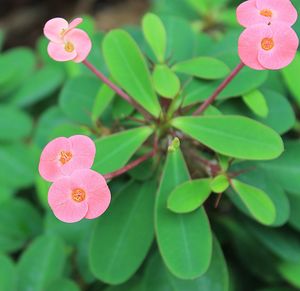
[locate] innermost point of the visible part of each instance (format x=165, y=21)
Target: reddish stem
x=134, y=163
x=218, y=200
x=115, y=88
x=222, y=86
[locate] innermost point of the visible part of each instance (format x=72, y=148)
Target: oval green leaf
x=114, y=151
x=14, y=123
x=128, y=67
x=155, y=34
x=256, y=102
x=41, y=263
x=166, y=83
x=257, y=202
x=203, y=67
x=189, y=196
x=219, y=184
x=77, y=98
x=234, y=136
x=116, y=255
x=184, y=240
x=7, y=274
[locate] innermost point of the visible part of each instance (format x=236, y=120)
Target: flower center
x=267, y=43
x=266, y=13
x=65, y=157
x=69, y=47
x=78, y=195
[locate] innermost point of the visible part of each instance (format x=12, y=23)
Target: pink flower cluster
x=268, y=42
x=66, y=41
x=77, y=191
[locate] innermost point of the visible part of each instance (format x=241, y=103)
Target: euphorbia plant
x=193, y=149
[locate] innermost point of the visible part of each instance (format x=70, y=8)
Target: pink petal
x=285, y=47
x=98, y=193
x=82, y=145
x=82, y=43
x=53, y=29
x=75, y=22
x=248, y=14
x=50, y=170
x=49, y=167
x=76, y=163
x=61, y=203
x=57, y=52
x=53, y=148
x=249, y=44
x=283, y=10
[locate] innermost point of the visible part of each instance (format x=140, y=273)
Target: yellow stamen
x=69, y=47
x=65, y=157
x=78, y=195
x=266, y=13
x=267, y=43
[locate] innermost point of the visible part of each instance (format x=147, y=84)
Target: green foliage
x=234, y=136
x=133, y=75
x=203, y=67
x=165, y=229
x=131, y=217
x=115, y=150
x=184, y=240
x=189, y=196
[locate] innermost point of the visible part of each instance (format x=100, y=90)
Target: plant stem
x=216, y=93
x=115, y=88
x=134, y=163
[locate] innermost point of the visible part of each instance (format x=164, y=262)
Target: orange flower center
x=69, y=47
x=266, y=13
x=267, y=43
x=78, y=195
x=65, y=157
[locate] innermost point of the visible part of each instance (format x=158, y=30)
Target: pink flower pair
x=77, y=191
x=268, y=42
x=66, y=41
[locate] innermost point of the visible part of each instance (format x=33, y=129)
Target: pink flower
x=253, y=12
x=270, y=47
x=84, y=194
x=67, y=42
x=62, y=156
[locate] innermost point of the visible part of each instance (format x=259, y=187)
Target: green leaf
x=114, y=151
x=284, y=244
x=121, y=109
x=158, y=278
x=63, y=284
x=77, y=98
x=184, y=240
x=7, y=274
x=246, y=81
x=128, y=67
x=290, y=272
x=102, y=100
x=286, y=169
x=18, y=166
x=219, y=184
x=166, y=83
x=294, y=219
x=202, y=7
x=260, y=179
x=290, y=77
x=257, y=201
x=41, y=263
x=155, y=34
x=14, y=123
x=235, y=136
x=203, y=67
x=39, y=86
x=131, y=218
x=19, y=63
x=256, y=102
x=19, y=222
x=189, y=196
